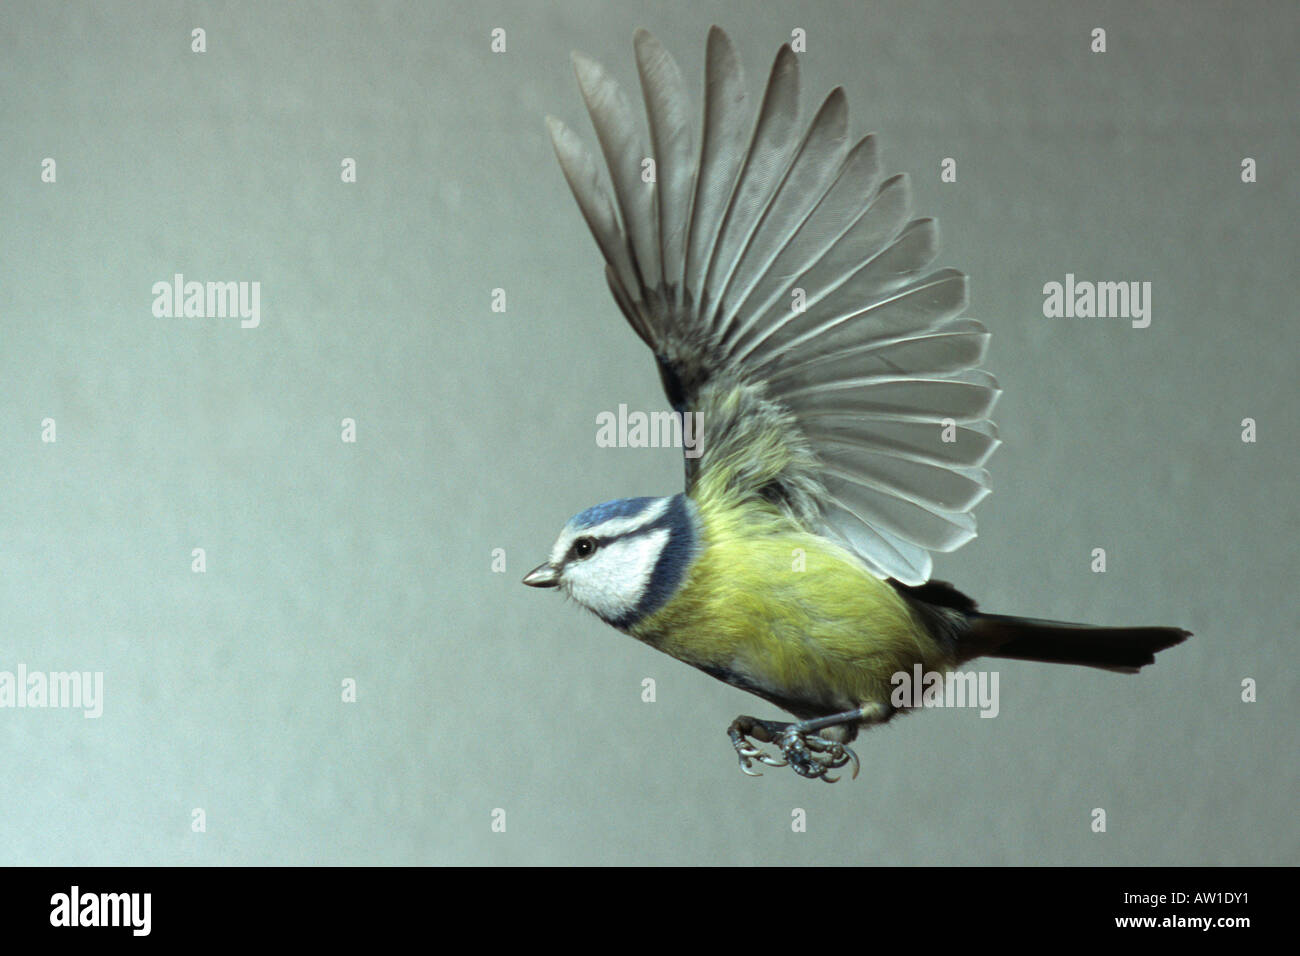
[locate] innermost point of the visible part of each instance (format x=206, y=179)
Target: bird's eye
x=584, y=547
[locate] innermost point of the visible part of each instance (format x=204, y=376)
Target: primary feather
x=789, y=298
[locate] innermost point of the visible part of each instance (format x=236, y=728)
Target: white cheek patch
x=613, y=581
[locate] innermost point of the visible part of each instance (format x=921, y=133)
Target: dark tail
x=1123, y=649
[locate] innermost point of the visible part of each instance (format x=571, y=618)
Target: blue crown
x=619, y=508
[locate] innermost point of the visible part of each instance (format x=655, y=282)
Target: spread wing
x=788, y=298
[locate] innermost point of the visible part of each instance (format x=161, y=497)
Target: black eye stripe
x=663, y=521
x=600, y=541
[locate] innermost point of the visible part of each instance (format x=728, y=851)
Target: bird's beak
x=543, y=576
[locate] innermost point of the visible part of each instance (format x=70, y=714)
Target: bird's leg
x=807, y=752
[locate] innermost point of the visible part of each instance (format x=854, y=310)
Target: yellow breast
x=790, y=612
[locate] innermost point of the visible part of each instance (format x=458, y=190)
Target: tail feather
x=1122, y=649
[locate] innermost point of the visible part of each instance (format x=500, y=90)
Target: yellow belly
x=791, y=613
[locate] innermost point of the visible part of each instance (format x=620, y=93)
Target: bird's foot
x=807, y=753
x=814, y=756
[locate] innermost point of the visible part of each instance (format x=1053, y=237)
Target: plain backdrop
x=373, y=561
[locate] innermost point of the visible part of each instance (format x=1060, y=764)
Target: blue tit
x=790, y=304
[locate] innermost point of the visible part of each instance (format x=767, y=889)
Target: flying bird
x=789, y=300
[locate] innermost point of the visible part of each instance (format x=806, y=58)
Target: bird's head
x=625, y=559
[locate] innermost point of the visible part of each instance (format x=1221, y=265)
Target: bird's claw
x=748, y=752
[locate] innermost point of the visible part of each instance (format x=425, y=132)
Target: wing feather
x=722, y=153
x=669, y=111
x=911, y=438
x=616, y=130
x=855, y=312
x=764, y=165
x=588, y=188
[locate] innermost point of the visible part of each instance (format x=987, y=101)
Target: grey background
x=477, y=431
